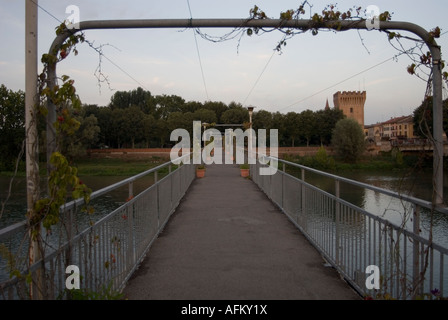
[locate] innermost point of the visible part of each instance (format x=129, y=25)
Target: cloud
x=381, y=81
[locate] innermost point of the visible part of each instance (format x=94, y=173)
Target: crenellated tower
x=351, y=103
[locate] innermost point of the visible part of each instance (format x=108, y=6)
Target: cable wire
x=259, y=77
x=334, y=85
x=96, y=49
x=199, y=55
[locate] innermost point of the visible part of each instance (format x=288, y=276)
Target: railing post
x=338, y=233
x=416, y=277
x=303, y=200
x=131, y=249
x=283, y=186
x=131, y=190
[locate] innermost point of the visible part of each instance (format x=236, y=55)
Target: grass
x=103, y=167
x=116, y=167
x=384, y=162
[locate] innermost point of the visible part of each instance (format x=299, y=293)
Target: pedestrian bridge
x=280, y=236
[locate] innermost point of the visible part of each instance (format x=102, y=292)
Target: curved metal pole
x=304, y=24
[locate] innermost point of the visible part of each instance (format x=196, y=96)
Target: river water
x=15, y=209
x=416, y=184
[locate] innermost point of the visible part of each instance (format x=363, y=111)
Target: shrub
x=348, y=140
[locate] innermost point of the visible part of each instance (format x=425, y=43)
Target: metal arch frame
x=304, y=24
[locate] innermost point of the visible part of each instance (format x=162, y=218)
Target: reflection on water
x=415, y=184
x=15, y=211
x=418, y=185
x=15, y=208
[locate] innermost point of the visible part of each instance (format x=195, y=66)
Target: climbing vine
x=63, y=183
x=421, y=66
x=62, y=180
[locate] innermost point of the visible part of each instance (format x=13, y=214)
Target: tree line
x=138, y=119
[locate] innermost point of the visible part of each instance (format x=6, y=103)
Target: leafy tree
x=167, y=104
x=138, y=97
x=237, y=115
x=423, y=119
x=218, y=107
x=348, y=139
x=149, y=129
x=133, y=119
x=205, y=116
x=307, y=125
x=120, y=100
x=162, y=132
x=180, y=120
x=85, y=137
x=291, y=123
x=325, y=122
x=12, y=125
x=262, y=120
x=104, y=118
x=192, y=106
x=118, y=121
x=278, y=122
x=323, y=161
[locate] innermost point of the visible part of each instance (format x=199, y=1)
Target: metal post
x=250, y=143
x=437, y=128
x=416, y=253
x=131, y=190
x=32, y=163
x=338, y=233
x=302, y=24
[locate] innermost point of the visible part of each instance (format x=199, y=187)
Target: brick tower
x=352, y=104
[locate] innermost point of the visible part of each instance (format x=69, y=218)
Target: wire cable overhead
x=199, y=54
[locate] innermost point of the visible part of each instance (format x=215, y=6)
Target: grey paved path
x=227, y=241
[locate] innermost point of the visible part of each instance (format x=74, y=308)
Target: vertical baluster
x=416, y=250
x=441, y=288
x=404, y=275
x=338, y=227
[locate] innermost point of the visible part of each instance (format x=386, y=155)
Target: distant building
x=394, y=128
x=373, y=132
x=399, y=127
x=352, y=104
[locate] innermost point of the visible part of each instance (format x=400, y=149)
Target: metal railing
x=350, y=238
x=106, y=252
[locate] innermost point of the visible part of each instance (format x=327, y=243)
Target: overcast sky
x=165, y=61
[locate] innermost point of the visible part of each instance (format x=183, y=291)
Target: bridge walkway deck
x=228, y=241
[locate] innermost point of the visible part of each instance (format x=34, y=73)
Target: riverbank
x=103, y=167
x=386, y=161
x=131, y=162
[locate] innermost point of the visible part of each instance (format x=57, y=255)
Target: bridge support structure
x=301, y=24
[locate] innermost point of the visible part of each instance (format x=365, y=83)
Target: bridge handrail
x=74, y=203
x=350, y=237
x=95, y=194
x=166, y=203
x=423, y=203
